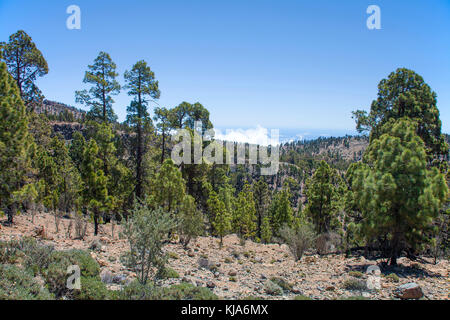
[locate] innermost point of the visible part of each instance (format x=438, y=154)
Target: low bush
x=56, y=274
x=299, y=239
x=283, y=284
x=17, y=284
x=393, y=277
x=302, y=297
x=272, y=288
x=356, y=274
x=184, y=291
x=167, y=273
x=91, y=289
x=9, y=252
x=137, y=291
x=354, y=285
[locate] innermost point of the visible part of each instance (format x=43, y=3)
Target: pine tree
x=244, y=219
x=281, y=212
x=222, y=218
x=397, y=194
x=143, y=87
x=167, y=189
x=102, y=76
x=68, y=178
x=77, y=148
x=324, y=191
x=15, y=142
x=25, y=62
x=266, y=230
x=261, y=195
x=95, y=191
x=405, y=94
x=118, y=176
x=163, y=117
x=190, y=221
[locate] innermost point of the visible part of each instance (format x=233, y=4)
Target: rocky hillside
x=58, y=110
x=246, y=271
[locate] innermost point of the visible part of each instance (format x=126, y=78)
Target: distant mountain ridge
x=60, y=110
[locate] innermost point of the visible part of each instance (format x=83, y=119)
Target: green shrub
x=302, y=297
x=137, y=291
x=393, y=277
x=32, y=255
x=172, y=255
x=36, y=256
x=354, y=298
x=354, y=285
x=91, y=289
x=184, y=291
x=272, y=288
x=146, y=231
x=298, y=239
x=252, y=298
x=167, y=273
x=9, y=252
x=356, y=274
x=17, y=284
x=283, y=284
x=56, y=274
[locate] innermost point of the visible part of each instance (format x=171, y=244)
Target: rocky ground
x=238, y=271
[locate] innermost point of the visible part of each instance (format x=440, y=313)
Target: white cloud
x=258, y=135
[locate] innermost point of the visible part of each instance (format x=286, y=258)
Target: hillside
x=241, y=271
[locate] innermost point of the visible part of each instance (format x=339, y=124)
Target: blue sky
x=277, y=64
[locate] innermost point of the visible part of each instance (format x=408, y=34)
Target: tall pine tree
x=102, y=77
x=397, y=194
x=15, y=142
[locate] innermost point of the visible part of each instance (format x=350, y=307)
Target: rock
x=263, y=276
x=119, y=279
x=258, y=260
x=95, y=245
x=296, y=290
x=104, y=239
x=210, y=284
x=102, y=263
x=40, y=232
x=106, y=276
x=203, y=262
x=191, y=253
x=330, y=288
x=409, y=291
x=232, y=273
x=199, y=283
x=216, y=274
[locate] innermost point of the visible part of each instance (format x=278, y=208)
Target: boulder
x=203, y=262
x=95, y=245
x=232, y=273
x=409, y=291
x=106, y=276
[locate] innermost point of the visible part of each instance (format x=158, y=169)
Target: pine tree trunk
x=95, y=223
x=10, y=214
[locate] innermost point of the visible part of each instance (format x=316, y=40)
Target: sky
x=296, y=65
